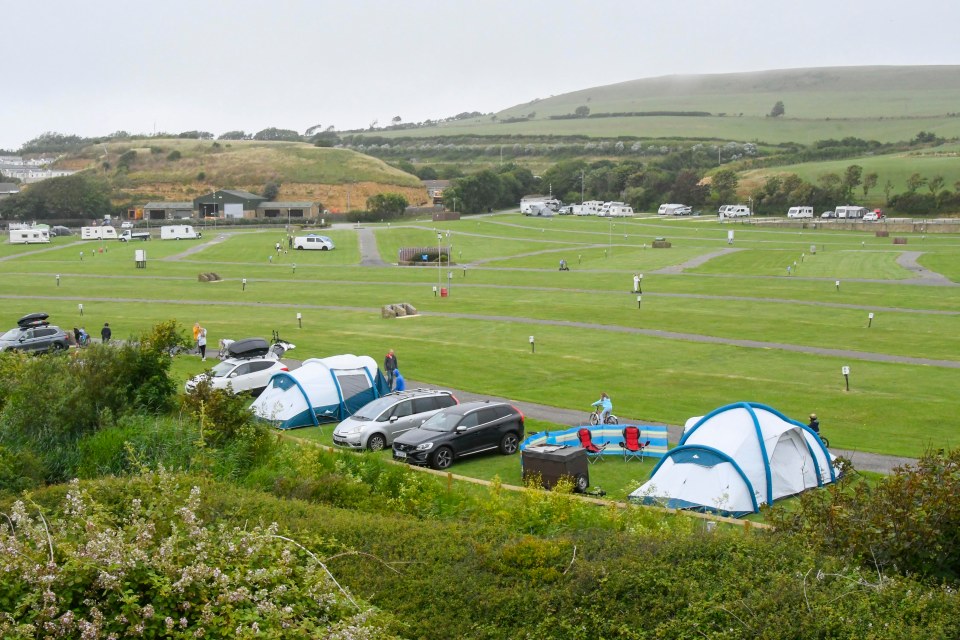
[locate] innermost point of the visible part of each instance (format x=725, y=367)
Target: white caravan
x=29, y=236
x=674, y=210
x=848, y=211
x=589, y=208
x=800, y=212
x=98, y=233
x=178, y=232
x=616, y=210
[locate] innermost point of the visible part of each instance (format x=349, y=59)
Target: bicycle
x=595, y=418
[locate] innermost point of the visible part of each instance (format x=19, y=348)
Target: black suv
x=34, y=334
x=463, y=430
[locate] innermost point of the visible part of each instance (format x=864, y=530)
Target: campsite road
x=861, y=460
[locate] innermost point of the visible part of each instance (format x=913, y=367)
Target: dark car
x=34, y=334
x=462, y=430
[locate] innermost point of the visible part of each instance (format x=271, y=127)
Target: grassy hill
x=888, y=104
x=176, y=169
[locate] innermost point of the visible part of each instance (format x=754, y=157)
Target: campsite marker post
x=846, y=376
x=639, y=300
x=838, y=285
x=81, y=256
x=58, y=279
x=80, y=307
x=869, y=320
x=449, y=281
x=299, y=320
x=294, y=267
x=244, y=285
x=533, y=348
x=434, y=292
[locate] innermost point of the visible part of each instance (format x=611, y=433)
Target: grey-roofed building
x=8, y=189
x=298, y=210
x=435, y=189
x=228, y=203
x=168, y=211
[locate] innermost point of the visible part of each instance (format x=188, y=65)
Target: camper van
x=674, y=210
x=848, y=211
x=734, y=211
x=98, y=233
x=800, y=212
x=313, y=241
x=29, y=236
x=178, y=232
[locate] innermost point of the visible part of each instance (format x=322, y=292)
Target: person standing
x=202, y=344
x=105, y=333
x=636, y=283
x=389, y=366
x=196, y=335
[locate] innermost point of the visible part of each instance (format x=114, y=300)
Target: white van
x=848, y=211
x=674, y=210
x=589, y=208
x=313, y=241
x=29, y=236
x=178, y=232
x=98, y=233
x=737, y=211
x=800, y=212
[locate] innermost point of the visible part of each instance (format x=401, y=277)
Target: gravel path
x=369, y=253
x=695, y=262
x=908, y=260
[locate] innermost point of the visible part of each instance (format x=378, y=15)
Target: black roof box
x=33, y=320
x=248, y=348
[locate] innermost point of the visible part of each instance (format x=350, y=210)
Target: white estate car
x=375, y=425
x=246, y=375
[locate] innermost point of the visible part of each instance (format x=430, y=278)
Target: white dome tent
x=737, y=458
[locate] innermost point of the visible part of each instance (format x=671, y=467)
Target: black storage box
x=248, y=348
x=551, y=462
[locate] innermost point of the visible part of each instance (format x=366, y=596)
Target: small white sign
x=531, y=339
x=845, y=370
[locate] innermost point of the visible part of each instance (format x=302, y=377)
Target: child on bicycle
x=606, y=406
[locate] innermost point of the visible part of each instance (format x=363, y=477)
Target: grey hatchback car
x=375, y=425
x=34, y=334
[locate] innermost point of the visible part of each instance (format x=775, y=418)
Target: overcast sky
x=92, y=68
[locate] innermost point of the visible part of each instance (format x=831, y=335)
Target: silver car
x=375, y=425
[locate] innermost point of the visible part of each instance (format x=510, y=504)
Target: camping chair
x=594, y=452
x=631, y=445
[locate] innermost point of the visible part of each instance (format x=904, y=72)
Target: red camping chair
x=631, y=445
x=594, y=452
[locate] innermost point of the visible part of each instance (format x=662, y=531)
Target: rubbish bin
x=443, y=292
x=552, y=462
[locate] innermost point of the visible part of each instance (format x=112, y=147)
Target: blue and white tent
x=737, y=458
x=321, y=390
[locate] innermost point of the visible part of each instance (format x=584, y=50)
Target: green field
x=734, y=328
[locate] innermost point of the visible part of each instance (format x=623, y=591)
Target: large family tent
x=737, y=458
x=321, y=390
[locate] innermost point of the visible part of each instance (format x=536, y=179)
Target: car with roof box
x=464, y=430
x=378, y=423
x=35, y=334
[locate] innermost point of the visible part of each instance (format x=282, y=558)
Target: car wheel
x=324, y=248
x=580, y=482
x=509, y=444
x=299, y=248
x=442, y=459
x=376, y=442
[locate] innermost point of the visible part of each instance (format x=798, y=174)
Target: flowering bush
x=158, y=570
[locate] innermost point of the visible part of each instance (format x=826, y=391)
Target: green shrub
x=19, y=471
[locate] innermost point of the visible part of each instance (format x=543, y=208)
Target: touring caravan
x=98, y=233
x=848, y=211
x=615, y=210
x=800, y=212
x=674, y=210
x=589, y=208
x=32, y=235
x=178, y=232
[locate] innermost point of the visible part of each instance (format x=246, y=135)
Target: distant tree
x=914, y=182
x=76, y=196
x=404, y=165
x=126, y=159
x=852, y=178
x=426, y=173
x=387, y=204
x=887, y=189
x=234, y=135
x=397, y=120
x=201, y=176
x=271, y=189
x=173, y=156
x=272, y=133
x=831, y=183
x=723, y=185
x=311, y=130
x=582, y=111
x=688, y=190
x=935, y=184
x=777, y=110
x=196, y=135
x=869, y=182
